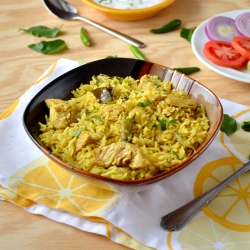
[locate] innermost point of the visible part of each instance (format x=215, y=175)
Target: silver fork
x=181, y=216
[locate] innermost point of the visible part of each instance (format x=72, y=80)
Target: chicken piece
x=121, y=93
x=120, y=154
x=117, y=92
x=60, y=113
x=148, y=80
x=114, y=111
x=52, y=102
x=144, y=80
x=174, y=100
x=82, y=140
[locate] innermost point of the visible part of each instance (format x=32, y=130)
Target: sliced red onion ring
x=242, y=23
x=221, y=28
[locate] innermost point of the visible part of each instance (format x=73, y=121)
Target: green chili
x=245, y=126
x=168, y=27
x=175, y=153
x=187, y=70
x=187, y=33
x=126, y=123
x=107, y=57
x=84, y=37
x=137, y=53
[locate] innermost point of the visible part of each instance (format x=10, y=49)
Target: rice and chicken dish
x=124, y=128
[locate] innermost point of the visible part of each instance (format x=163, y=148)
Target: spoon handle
x=115, y=33
x=181, y=216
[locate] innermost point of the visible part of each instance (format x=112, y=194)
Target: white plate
x=199, y=39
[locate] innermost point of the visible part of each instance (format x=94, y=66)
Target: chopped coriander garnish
x=120, y=79
x=157, y=85
x=154, y=125
x=76, y=132
x=88, y=112
x=174, y=121
x=99, y=118
x=175, y=153
x=163, y=124
x=144, y=104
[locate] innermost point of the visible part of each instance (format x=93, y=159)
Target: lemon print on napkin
x=14, y=198
x=231, y=207
x=203, y=233
x=45, y=182
x=8, y=112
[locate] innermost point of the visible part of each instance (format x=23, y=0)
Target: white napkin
x=33, y=182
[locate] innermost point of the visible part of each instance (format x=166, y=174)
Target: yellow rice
x=163, y=149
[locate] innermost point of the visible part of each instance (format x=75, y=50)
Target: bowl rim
x=128, y=11
x=162, y=175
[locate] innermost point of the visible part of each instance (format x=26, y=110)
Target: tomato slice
x=242, y=45
x=223, y=54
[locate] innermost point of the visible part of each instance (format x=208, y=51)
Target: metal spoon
x=181, y=216
x=65, y=10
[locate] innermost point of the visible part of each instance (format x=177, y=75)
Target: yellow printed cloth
x=32, y=181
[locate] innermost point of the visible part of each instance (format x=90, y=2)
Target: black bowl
x=62, y=86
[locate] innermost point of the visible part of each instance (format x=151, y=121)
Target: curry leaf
x=245, y=125
x=229, y=125
x=49, y=47
x=40, y=31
